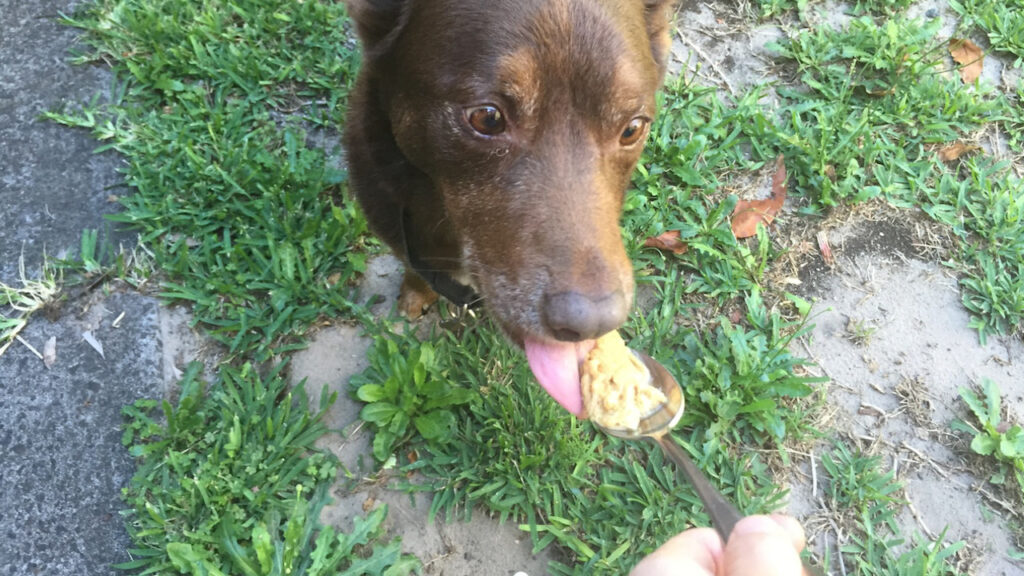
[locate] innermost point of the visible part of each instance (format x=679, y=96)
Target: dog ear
x=376, y=20
x=658, y=14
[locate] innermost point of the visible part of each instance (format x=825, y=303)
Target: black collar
x=442, y=282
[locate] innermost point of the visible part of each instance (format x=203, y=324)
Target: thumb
x=765, y=546
x=695, y=552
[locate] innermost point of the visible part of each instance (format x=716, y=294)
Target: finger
x=761, y=545
x=697, y=551
x=793, y=528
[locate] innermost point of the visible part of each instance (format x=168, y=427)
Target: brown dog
x=490, y=143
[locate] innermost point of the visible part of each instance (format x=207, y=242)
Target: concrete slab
x=52, y=185
x=62, y=465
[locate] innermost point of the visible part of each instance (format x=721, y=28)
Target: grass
x=867, y=500
x=228, y=483
x=18, y=303
x=214, y=104
x=515, y=453
x=1001, y=22
x=218, y=108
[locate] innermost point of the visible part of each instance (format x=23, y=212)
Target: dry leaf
x=969, y=56
x=668, y=241
x=50, y=351
x=96, y=345
x=749, y=213
x=956, y=150
x=826, y=250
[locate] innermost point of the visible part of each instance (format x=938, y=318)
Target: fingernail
x=755, y=525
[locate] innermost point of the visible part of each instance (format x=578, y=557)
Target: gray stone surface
x=62, y=465
x=52, y=185
x=61, y=461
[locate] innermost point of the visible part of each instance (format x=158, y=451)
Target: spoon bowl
x=665, y=416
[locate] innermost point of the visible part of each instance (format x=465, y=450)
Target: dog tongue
x=556, y=365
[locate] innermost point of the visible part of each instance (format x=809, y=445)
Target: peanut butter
x=616, y=387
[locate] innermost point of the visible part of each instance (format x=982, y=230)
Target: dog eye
x=634, y=131
x=486, y=120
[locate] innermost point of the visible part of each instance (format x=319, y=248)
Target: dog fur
x=528, y=216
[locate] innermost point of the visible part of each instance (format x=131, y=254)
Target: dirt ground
x=892, y=336
x=893, y=392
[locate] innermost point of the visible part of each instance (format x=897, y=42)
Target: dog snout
x=573, y=316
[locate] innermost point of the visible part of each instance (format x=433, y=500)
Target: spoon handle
x=723, y=514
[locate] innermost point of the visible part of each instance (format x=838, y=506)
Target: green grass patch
x=874, y=105
x=698, y=145
x=983, y=204
x=228, y=483
x=1002, y=21
x=216, y=107
x=868, y=501
x=213, y=107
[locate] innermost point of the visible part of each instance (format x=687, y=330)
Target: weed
x=859, y=332
x=1000, y=440
x=403, y=388
x=735, y=378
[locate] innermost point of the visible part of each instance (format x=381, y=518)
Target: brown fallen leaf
x=826, y=250
x=955, y=150
x=749, y=213
x=969, y=56
x=667, y=241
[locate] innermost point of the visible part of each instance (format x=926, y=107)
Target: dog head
x=528, y=116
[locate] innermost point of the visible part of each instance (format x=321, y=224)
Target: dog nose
x=571, y=316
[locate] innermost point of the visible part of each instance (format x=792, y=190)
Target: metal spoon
x=656, y=426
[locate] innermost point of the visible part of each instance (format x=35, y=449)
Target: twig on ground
x=814, y=477
x=704, y=57
x=29, y=346
x=920, y=521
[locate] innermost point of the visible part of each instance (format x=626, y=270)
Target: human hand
x=761, y=545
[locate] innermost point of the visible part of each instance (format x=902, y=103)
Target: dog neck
x=442, y=282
